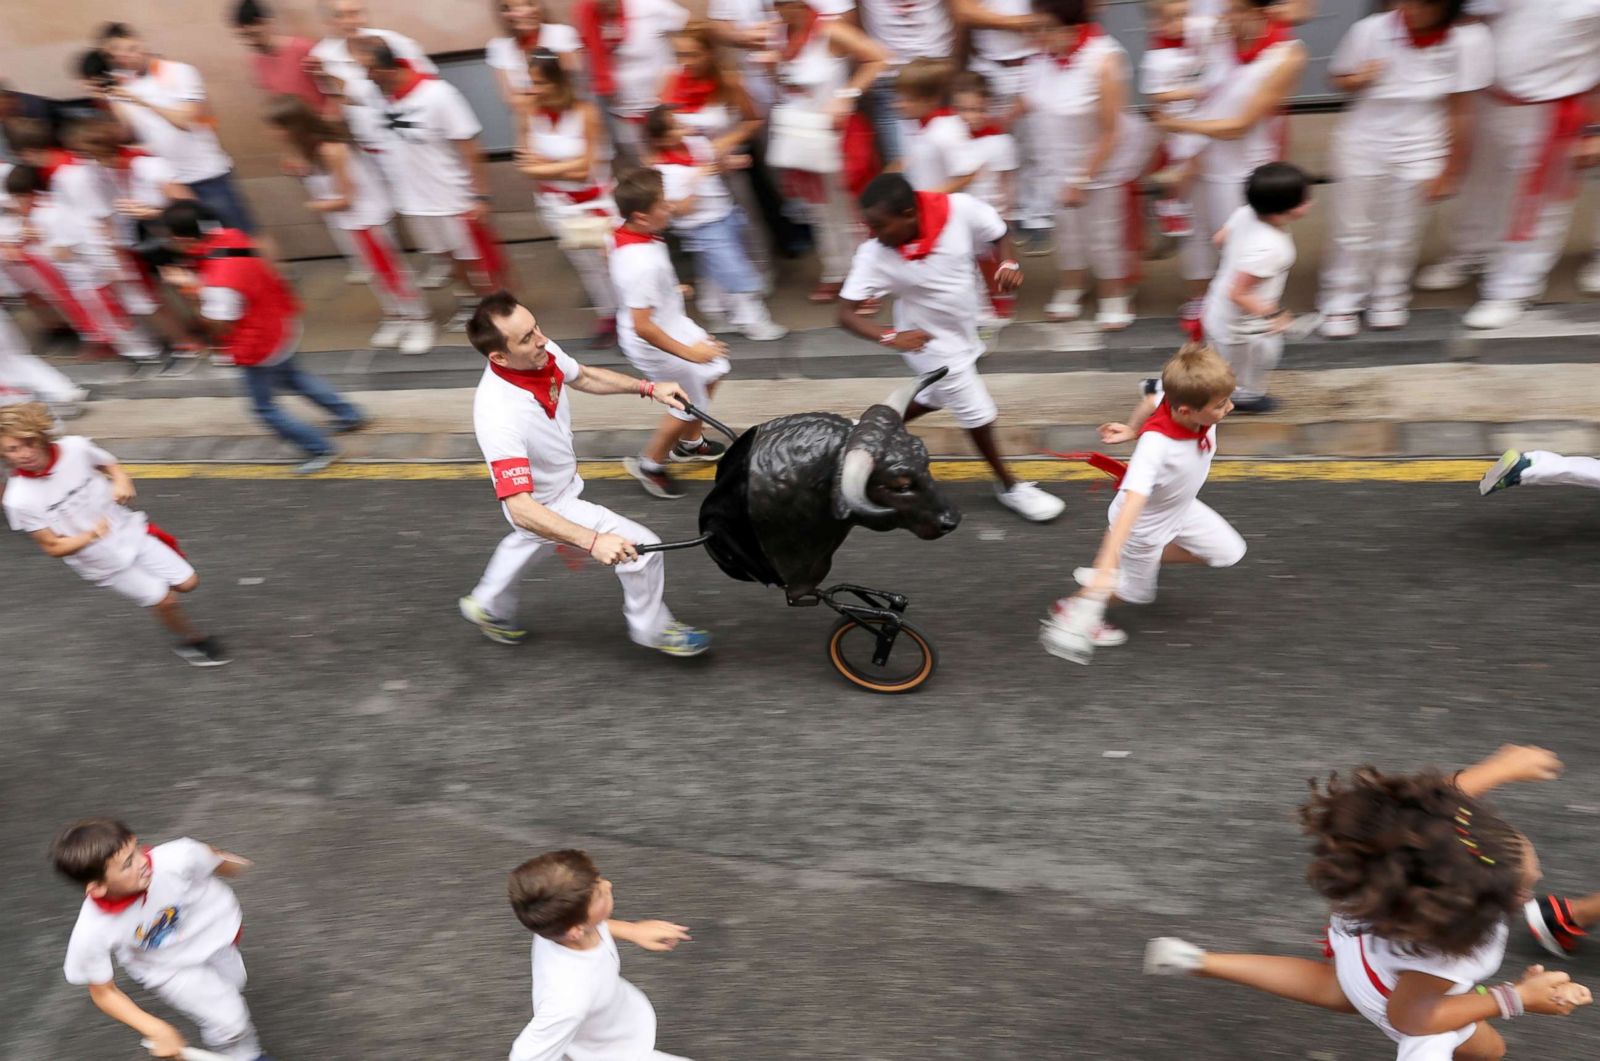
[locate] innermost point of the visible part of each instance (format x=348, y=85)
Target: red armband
x=512, y=476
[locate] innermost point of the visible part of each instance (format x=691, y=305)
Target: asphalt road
x=966, y=873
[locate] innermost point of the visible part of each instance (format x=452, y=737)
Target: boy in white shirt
x=656, y=333
x=583, y=1010
x=996, y=183
x=170, y=923
x=1170, y=76
x=1156, y=517
x=1242, y=315
x=937, y=154
x=708, y=221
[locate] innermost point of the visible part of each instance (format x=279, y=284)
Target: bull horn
x=900, y=400
x=854, y=472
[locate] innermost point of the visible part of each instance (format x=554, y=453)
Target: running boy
x=1157, y=517
x=1242, y=314
x=71, y=497
x=936, y=149
x=922, y=251
x=582, y=1007
x=171, y=925
x=1415, y=969
x=656, y=333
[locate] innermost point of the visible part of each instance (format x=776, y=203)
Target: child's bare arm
x=1510, y=764
x=1109, y=557
x=110, y=1000
x=1111, y=434
x=1242, y=292
x=959, y=184
x=645, y=326
x=651, y=935
x=1419, y=1005
x=232, y=865
x=1008, y=191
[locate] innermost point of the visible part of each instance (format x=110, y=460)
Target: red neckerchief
x=933, y=211
x=543, y=383
x=1426, y=38
x=795, y=42
x=1276, y=33
x=417, y=78
x=624, y=236
x=55, y=455
x=1162, y=423
x=601, y=33
x=687, y=92
x=125, y=156
x=116, y=906
x=553, y=117
x=941, y=112
x=993, y=129
x=677, y=156
x=1086, y=33
x=529, y=41
x=1158, y=42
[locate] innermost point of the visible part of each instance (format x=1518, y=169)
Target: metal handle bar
x=662, y=547
x=698, y=414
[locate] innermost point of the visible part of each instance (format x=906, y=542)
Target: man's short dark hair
x=250, y=13
x=550, y=894
x=1063, y=12
x=115, y=31
x=1277, y=188
x=637, y=192
x=25, y=180
x=890, y=193
x=187, y=219
x=383, y=56
x=657, y=122
x=94, y=66
x=483, y=330
x=81, y=850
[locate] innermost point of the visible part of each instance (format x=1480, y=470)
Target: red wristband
x=595, y=541
x=647, y=389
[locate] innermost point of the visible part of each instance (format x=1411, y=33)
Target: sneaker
x=1030, y=502
x=419, y=337
x=1114, y=314
x=497, y=630
x=1506, y=473
x=206, y=652
x=764, y=331
x=349, y=426
x=703, y=450
x=1264, y=404
x=438, y=272
x=1168, y=956
x=1340, y=326
x=357, y=276
x=1036, y=242
x=1589, y=278
x=824, y=293
x=656, y=481
x=1064, y=305
x=321, y=462
x=1388, y=319
x=389, y=334
x=1494, y=313
x=1174, y=218
x=604, y=335
x=680, y=640
x=1445, y=276
x=1552, y=924
x=222, y=360
x=460, y=319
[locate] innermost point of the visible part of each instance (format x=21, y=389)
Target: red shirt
x=283, y=72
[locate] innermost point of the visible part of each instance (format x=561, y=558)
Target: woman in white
x=1402, y=144
x=1093, y=148
x=345, y=187
x=1252, y=65
x=815, y=77
x=526, y=32
x=568, y=157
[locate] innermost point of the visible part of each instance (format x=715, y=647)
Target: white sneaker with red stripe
x=1552, y=924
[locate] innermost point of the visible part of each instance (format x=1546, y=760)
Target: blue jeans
x=886, y=119
x=719, y=254
x=263, y=380
x=218, y=195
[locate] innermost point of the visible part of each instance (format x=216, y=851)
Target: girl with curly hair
x=1422, y=877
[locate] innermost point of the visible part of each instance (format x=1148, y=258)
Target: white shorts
x=152, y=575
x=444, y=234
x=1358, y=988
x=964, y=396
x=695, y=378
x=1202, y=532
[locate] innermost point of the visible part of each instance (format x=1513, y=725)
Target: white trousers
x=211, y=996
x=20, y=370
x=644, y=580
x=833, y=224
x=1552, y=469
x=1095, y=235
x=1214, y=202
x=1377, y=222
x=1251, y=359
x=1202, y=532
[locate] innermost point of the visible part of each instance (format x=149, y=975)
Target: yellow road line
x=957, y=471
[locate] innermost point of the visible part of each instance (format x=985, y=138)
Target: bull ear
x=850, y=489
x=900, y=400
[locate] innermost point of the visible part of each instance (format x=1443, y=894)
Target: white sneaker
x=1083, y=576
x=357, y=276
x=1169, y=956
x=1589, y=277
x=1030, y=502
x=389, y=334
x=1494, y=313
x=764, y=331
x=418, y=338
x=1388, y=319
x=1114, y=314
x=439, y=272
x=460, y=319
x=1446, y=275
x=1340, y=326
x=1064, y=305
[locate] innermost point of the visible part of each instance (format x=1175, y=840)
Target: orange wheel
x=912, y=661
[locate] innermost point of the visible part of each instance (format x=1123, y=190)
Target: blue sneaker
x=681, y=640
x=1506, y=473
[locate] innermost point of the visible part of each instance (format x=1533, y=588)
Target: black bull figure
x=788, y=492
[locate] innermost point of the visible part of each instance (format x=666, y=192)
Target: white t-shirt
x=1064, y=101
x=937, y=152
x=643, y=278
x=507, y=56
x=644, y=55
x=185, y=917
x=194, y=153
x=334, y=52
x=997, y=155
x=1163, y=70
x=937, y=294
x=91, y=261
x=583, y=1010
x=1169, y=472
x=994, y=45
x=369, y=197
x=415, y=142
x=1232, y=86
x=143, y=180
x=1359, y=957
x=747, y=14
x=71, y=499
x=1403, y=118
x=527, y=449
x=712, y=199
x=1254, y=247
x=1547, y=49
x=910, y=29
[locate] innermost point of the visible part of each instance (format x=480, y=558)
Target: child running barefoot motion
x=1423, y=877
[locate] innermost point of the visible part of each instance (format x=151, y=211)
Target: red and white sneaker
x=1174, y=218
x=1552, y=924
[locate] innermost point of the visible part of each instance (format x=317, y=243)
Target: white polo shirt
x=937, y=294
x=1547, y=49
x=195, y=153
x=507, y=56
x=643, y=278
x=1257, y=249
x=334, y=52
x=1170, y=472
x=910, y=29
x=712, y=199
x=997, y=156
x=644, y=55
x=186, y=916
x=414, y=137
x=1359, y=958
x=71, y=499
x=527, y=449
x=583, y=1009
x=938, y=151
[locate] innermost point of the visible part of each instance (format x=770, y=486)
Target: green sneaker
x=496, y=630
x=679, y=639
x=1506, y=473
